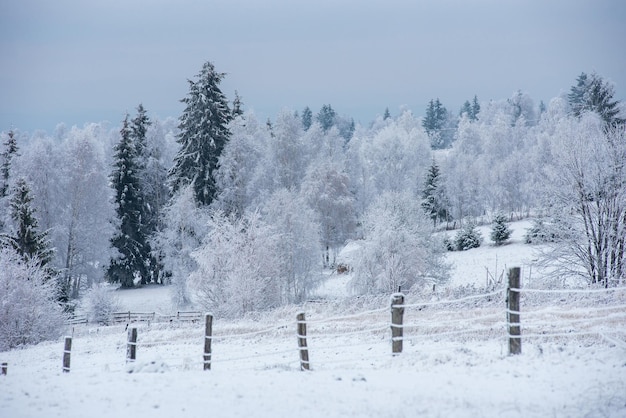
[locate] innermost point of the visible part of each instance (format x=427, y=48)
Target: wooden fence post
x=5, y=366
x=131, y=345
x=513, y=312
x=208, y=336
x=67, y=351
x=397, y=313
x=302, y=346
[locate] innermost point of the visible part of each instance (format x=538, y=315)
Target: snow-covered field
x=454, y=361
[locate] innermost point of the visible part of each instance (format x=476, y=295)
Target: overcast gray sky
x=78, y=61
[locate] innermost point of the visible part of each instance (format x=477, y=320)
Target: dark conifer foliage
x=130, y=239
x=203, y=134
x=26, y=239
x=433, y=197
x=10, y=150
x=593, y=94
x=307, y=118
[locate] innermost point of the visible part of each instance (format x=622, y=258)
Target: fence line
x=533, y=324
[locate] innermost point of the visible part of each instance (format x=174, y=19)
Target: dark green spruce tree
x=435, y=122
x=433, y=197
x=593, y=94
x=203, y=135
x=130, y=239
x=149, y=187
x=326, y=117
x=9, y=151
x=25, y=238
x=307, y=118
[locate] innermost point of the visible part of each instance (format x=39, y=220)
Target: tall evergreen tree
x=130, y=239
x=326, y=117
x=237, y=105
x=307, y=118
x=203, y=133
x=10, y=150
x=386, y=115
x=475, y=109
x=593, y=94
x=148, y=187
x=434, y=122
x=433, y=198
x=26, y=239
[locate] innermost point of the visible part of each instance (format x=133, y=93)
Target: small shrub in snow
x=500, y=231
x=468, y=237
x=100, y=303
x=540, y=233
x=29, y=312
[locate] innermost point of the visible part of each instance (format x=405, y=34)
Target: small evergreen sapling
x=500, y=231
x=468, y=237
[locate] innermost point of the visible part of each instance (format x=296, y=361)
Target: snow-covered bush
x=29, y=312
x=398, y=247
x=500, y=231
x=538, y=233
x=100, y=303
x=238, y=268
x=468, y=237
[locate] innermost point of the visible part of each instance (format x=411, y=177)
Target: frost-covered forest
x=240, y=215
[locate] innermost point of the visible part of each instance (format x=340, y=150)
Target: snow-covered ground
x=454, y=361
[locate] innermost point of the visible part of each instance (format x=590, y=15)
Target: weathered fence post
x=513, y=312
x=67, y=351
x=131, y=345
x=208, y=336
x=304, y=351
x=397, y=313
x=5, y=366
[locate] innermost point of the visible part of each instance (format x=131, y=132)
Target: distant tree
x=466, y=109
x=433, y=195
x=475, y=109
x=203, y=134
x=10, y=151
x=307, y=118
x=522, y=107
x=542, y=108
x=471, y=109
x=593, y=94
x=237, y=105
x=326, y=117
x=386, y=115
x=500, y=231
x=435, y=124
x=130, y=239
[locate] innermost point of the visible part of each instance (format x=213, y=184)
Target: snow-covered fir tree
x=25, y=237
x=203, y=135
x=433, y=195
x=130, y=239
x=500, y=231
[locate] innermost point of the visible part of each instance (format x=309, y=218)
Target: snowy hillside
x=454, y=361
